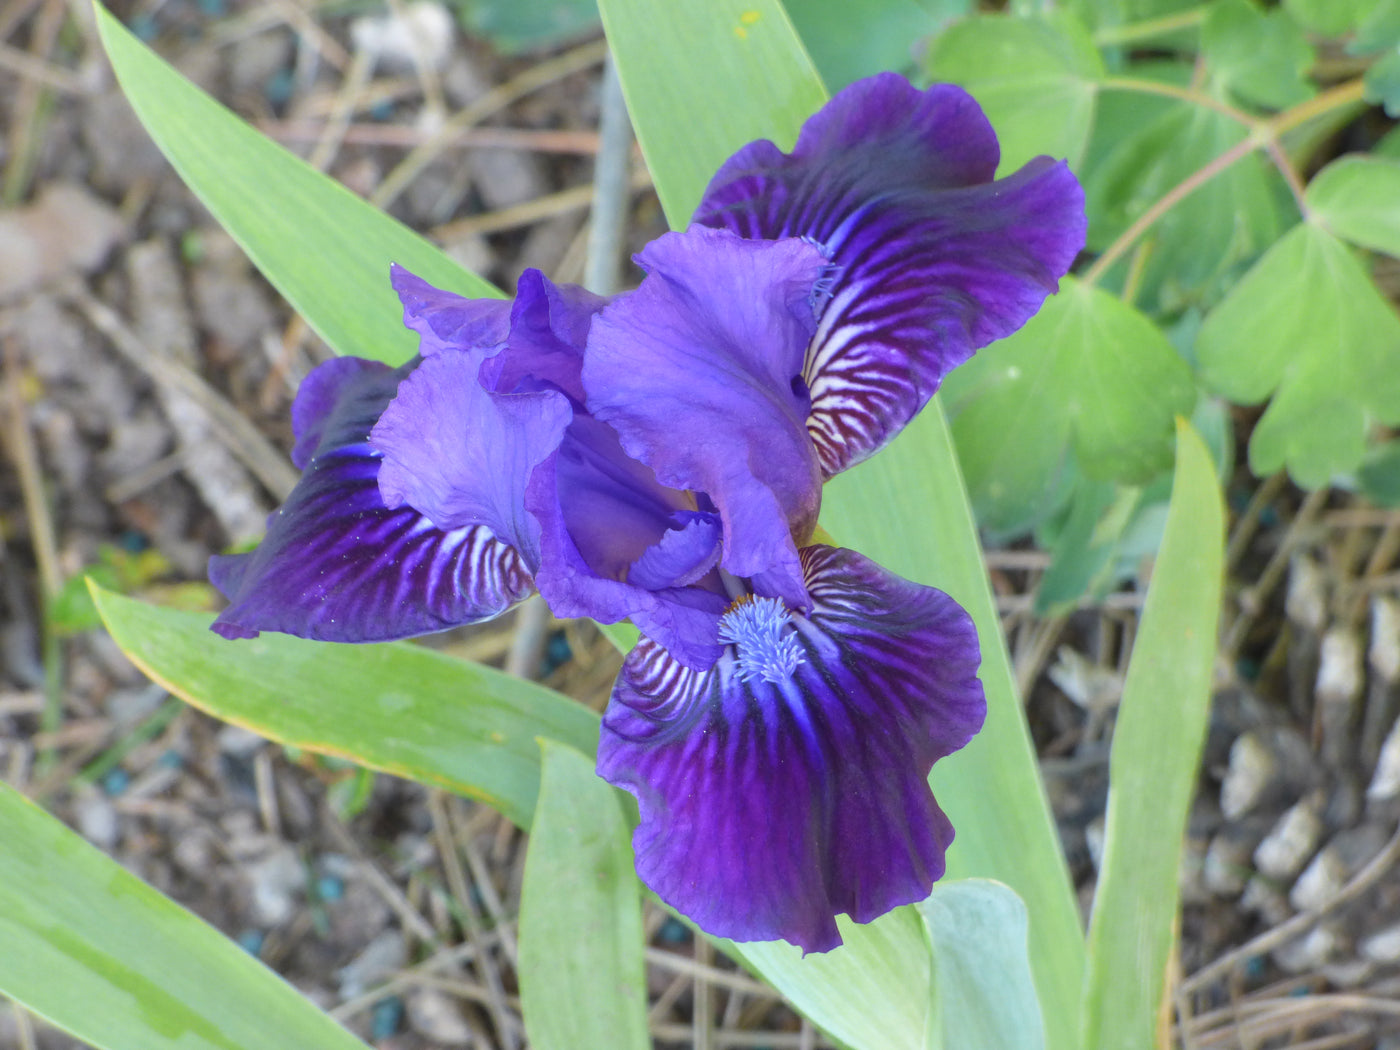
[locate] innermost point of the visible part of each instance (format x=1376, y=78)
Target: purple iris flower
x=659, y=456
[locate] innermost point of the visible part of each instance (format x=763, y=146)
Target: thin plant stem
x=1183, y=94
x=1112, y=36
x=1164, y=204
x=1265, y=133
x=1290, y=175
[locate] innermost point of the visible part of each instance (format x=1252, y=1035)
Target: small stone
x=1383, y=946
x=67, y=229
x=1088, y=684
x=1261, y=897
x=276, y=880
x=1307, y=952
x=1290, y=843
x=1320, y=882
x=436, y=1017
x=97, y=819
x=1306, y=603
x=1252, y=769
x=1227, y=866
x=380, y=960
x=418, y=32
x=1385, y=784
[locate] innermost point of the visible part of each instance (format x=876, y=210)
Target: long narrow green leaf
x=697, y=90
x=1156, y=747
x=326, y=250
x=102, y=955
x=703, y=77
x=983, y=991
x=907, y=509
x=582, y=963
x=400, y=708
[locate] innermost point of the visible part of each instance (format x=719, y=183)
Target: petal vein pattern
x=337, y=564
x=932, y=260
x=770, y=807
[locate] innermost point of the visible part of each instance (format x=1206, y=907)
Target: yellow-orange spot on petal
x=743, y=599
x=749, y=17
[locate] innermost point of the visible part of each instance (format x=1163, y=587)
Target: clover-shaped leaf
x=1330, y=17
x=1358, y=199
x=1035, y=77
x=1089, y=375
x=1261, y=58
x=1144, y=151
x=1308, y=327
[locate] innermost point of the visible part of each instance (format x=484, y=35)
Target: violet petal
x=336, y=564
x=696, y=372
x=769, y=808
x=933, y=260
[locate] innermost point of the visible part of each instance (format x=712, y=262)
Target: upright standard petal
x=933, y=260
x=445, y=320
x=461, y=455
x=699, y=372
x=337, y=564
x=788, y=784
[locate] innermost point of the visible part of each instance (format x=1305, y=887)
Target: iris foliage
x=1216, y=276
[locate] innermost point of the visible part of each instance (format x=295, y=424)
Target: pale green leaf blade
x=1358, y=199
x=701, y=80
x=326, y=250
x=1331, y=17
x=102, y=955
x=984, y=996
x=890, y=31
x=1261, y=57
x=1307, y=327
x=1147, y=147
x=1088, y=375
x=582, y=963
x=395, y=707
x=872, y=993
x=907, y=509
x=1035, y=77
x=1156, y=748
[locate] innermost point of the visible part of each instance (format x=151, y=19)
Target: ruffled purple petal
x=548, y=327
x=447, y=321
x=770, y=807
x=337, y=564
x=461, y=455
x=933, y=260
x=698, y=371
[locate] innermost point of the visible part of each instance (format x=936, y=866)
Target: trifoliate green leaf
x=1330, y=17
x=1089, y=376
x=1035, y=77
x=1307, y=328
x=1358, y=199
x=1260, y=58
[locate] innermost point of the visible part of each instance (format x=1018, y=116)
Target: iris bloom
x=659, y=456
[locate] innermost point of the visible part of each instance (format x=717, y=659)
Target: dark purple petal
x=461, y=455
x=932, y=259
x=447, y=321
x=769, y=808
x=344, y=386
x=336, y=564
x=698, y=371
